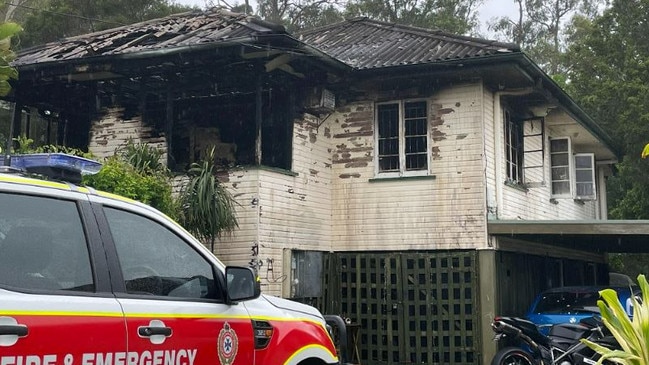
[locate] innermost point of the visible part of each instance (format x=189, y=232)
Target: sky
x=489, y=8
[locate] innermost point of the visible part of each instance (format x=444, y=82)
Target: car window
x=155, y=261
x=42, y=244
x=563, y=302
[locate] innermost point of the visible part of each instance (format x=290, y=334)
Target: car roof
x=586, y=288
x=27, y=180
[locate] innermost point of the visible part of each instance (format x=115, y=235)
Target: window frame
x=570, y=169
x=514, y=149
x=593, y=182
x=402, y=170
x=573, y=172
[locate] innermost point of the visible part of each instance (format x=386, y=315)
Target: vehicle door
x=55, y=300
x=172, y=295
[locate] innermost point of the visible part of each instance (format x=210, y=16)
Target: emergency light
x=60, y=166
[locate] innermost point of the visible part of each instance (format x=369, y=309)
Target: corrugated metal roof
x=362, y=43
x=179, y=30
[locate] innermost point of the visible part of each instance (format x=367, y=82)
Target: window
x=402, y=138
x=513, y=149
x=560, y=166
x=42, y=245
x=585, y=176
x=155, y=261
x=572, y=176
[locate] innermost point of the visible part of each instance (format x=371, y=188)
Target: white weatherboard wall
x=283, y=210
x=443, y=211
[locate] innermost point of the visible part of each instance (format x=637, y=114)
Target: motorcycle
x=525, y=345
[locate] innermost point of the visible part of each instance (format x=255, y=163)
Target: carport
x=594, y=236
x=528, y=256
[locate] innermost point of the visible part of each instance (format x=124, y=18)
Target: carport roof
x=587, y=235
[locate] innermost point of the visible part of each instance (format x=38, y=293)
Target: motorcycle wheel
x=512, y=356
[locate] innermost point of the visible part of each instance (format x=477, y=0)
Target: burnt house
x=414, y=181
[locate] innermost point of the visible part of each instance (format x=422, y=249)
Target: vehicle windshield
x=567, y=302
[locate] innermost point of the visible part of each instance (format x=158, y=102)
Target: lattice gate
x=410, y=307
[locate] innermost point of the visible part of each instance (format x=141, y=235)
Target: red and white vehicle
x=90, y=278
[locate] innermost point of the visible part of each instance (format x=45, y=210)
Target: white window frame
x=401, y=141
x=574, y=171
x=589, y=171
x=570, y=179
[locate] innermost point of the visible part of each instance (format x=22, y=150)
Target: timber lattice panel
x=412, y=307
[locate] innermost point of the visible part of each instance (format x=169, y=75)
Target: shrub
x=632, y=334
x=207, y=208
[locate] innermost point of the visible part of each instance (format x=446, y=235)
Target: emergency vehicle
x=91, y=278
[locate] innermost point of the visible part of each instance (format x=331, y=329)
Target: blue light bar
x=38, y=161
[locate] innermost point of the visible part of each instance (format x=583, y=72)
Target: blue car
x=572, y=303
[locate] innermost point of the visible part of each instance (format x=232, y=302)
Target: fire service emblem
x=228, y=344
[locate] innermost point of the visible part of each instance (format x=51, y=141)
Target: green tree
x=540, y=26
x=7, y=72
x=207, y=208
x=608, y=70
x=608, y=73
x=300, y=14
x=455, y=16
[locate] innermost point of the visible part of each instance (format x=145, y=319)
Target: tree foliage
x=609, y=77
x=136, y=172
x=540, y=28
x=7, y=73
x=455, y=16
x=300, y=14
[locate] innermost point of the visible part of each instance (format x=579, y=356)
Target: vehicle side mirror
x=242, y=284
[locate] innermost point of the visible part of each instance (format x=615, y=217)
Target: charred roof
x=189, y=29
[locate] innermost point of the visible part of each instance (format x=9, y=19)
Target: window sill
x=392, y=178
x=265, y=168
x=516, y=186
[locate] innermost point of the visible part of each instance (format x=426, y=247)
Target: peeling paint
x=313, y=137
x=435, y=153
x=461, y=136
x=354, y=134
x=436, y=121
x=438, y=135
x=313, y=172
x=347, y=176
x=357, y=163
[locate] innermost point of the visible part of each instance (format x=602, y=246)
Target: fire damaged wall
x=111, y=132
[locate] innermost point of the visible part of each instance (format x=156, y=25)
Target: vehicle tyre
x=512, y=356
